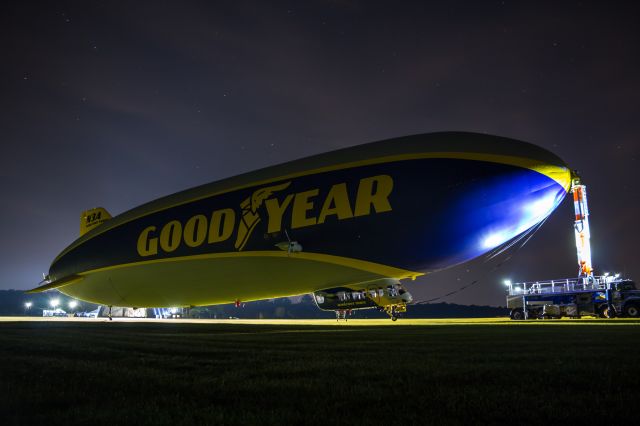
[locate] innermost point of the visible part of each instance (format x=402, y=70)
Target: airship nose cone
x=510, y=203
x=520, y=212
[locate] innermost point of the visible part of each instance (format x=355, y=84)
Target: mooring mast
x=581, y=227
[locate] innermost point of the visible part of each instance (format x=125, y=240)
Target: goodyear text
x=372, y=196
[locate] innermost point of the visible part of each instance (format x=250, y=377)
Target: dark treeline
x=13, y=303
x=306, y=308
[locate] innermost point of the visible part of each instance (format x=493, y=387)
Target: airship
x=350, y=226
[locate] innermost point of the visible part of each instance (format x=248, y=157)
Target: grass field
x=319, y=372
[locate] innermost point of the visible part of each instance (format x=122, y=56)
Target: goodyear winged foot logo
x=250, y=217
x=301, y=209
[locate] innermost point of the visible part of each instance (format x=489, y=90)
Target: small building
x=53, y=313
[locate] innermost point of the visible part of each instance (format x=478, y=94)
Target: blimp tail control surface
x=348, y=225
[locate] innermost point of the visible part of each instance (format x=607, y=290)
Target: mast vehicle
x=350, y=226
x=605, y=296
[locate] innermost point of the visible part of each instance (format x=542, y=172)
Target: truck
x=598, y=296
x=604, y=296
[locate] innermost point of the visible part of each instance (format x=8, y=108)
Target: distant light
x=28, y=305
x=518, y=289
x=73, y=304
x=507, y=282
x=173, y=310
x=54, y=303
x=616, y=276
x=606, y=274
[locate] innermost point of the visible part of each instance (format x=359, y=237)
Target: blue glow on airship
x=517, y=211
x=530, y=215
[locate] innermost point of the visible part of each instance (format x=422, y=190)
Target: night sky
x=114, y=104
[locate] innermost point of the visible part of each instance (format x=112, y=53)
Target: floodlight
x=507, y=282
x=28, y=305
x=606, y=274
x=54, y=303
x=73, y=304
x=616, y=276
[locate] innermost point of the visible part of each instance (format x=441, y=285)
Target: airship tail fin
x=92, y=218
